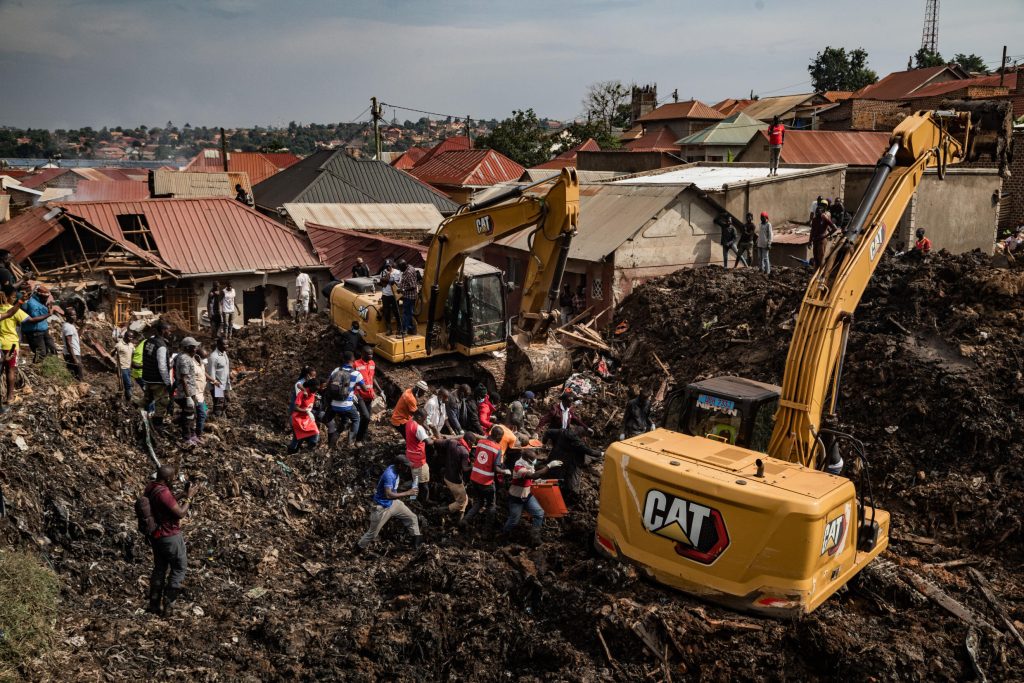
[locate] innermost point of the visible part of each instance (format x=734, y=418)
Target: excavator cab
x=733, y=410
x=475, y=310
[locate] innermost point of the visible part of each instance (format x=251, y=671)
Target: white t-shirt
x=227, y=304
x=393, y=278
x=72, y=344
x=302, y=283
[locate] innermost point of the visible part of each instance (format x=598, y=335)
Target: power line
x=421, y=111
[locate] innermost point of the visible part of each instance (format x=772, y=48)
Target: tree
x=925, y=58
x=519, y=137
x=577, y=133
x=606, y=102
x=835, y=69
x=971, y=63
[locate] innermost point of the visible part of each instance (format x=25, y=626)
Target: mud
x=932, y=385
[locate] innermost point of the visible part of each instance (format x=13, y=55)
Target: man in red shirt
x=364, y=394
x=167, y=542
x=416, y=441
x=923, y=245
x=776, y=138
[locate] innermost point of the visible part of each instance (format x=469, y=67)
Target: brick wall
x=1013, y=187
x=863, y=115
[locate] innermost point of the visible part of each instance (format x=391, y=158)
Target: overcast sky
x=71, y=63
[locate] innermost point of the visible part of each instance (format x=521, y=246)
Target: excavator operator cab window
x=716, y=416
x=476, y=310
x=764, y=422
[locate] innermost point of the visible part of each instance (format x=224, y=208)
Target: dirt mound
x=275, y=593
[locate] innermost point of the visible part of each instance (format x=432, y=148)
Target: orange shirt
x=508, y=438
x=404, y=409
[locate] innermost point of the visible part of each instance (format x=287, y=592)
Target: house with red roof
x=681, y=118
x=258, y=165
x=462, y=173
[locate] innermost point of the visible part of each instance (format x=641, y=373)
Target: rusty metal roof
x=408, y=158
x=767, y=107
x=26, y=233
x=257, y=165
x=659, y=140
x=198, y=236
x=690, y=109
x=338, y=249
x=900, y=84
x=856, y=148
x=936, y=89
x=192, y=185
x=397, y=217
x=456, y=143
x=110, y=190
x=43, y=176
x=468, y=168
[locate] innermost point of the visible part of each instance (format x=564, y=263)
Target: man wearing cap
x=520, y=494
x=517, y=410
x=407, y=405
x=360, y=269
x=186, y=391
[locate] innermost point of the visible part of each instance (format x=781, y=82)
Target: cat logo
x=699, y=531
x=876, y=242
x=835, y=536
x=484, y=226
x=364, y=312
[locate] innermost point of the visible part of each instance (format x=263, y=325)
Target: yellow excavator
x=460, y=313
x=738, y=499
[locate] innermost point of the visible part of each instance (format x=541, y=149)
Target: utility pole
x=224, y=150
x=675, y=95
x=1002, y=67
x=375, y=110
x=469, y=136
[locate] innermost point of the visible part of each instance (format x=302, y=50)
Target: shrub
x=28, y=608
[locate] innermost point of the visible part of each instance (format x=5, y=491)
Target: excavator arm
x=814, y=364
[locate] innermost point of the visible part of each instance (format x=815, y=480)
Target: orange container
x=549, y=496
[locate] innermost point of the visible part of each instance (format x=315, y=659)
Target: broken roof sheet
x=609, y=215
x=419, y=217
x=198, y=236
x=26, y=233
x=856, y=148
x=338, y=249
x=706, y=177
x=333, y=177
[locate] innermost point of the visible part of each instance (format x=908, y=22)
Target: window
x=514, y=271
x=716, y=416
x=597, y=290
x=136, y=230
x=763, y=425
x=487, y=309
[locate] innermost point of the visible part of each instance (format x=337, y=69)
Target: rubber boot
x=351, y=439
x=417, y=541
x=170, y=595
x=154, y=599
x=332, y=440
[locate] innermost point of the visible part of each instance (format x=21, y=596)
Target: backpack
x=144, y=516
x=338, y=384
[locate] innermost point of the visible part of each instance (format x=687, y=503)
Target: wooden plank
x=997, y=605
x=943, y=600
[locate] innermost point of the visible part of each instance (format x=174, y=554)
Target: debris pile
x=932, y=386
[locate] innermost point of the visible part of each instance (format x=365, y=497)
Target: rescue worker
x=484, y=466
x=388, y=503
x=923, y=245
x=342, y=385
x=417, y=438
x=167, y=541
x=156, y=373
x=568, y=447
x=520, y=493
x=365, y=393
x=407, y=404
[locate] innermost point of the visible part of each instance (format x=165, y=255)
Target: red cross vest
x=485, y=455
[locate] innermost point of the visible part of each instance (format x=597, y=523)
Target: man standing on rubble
x=638, y=414
x=388, y=503
x=748, y=238
x=765, y=236
x=156, y=373
x=342, y=385
x=365, y=393
x=166, y=540
x=407, y=405
x=485, y=465
x=303, y=285
x=218, y=365
x=562, y=415
x=186, y=392
x=728, y=236
x=568, y=447
x=37, y=327
x=227, y=309
x=520, y=494
x=517, y=410
x=124, y=349
x=6, y=275
x=453, y=456
x=72, y=344
x=213, y=304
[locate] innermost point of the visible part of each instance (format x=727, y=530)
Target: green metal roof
x=734, y=131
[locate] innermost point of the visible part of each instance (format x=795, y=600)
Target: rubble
x=274, y=591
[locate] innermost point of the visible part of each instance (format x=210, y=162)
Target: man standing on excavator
x=822, y=228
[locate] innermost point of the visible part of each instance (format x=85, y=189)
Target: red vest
x=366, y=370
x=775, y=134
x=415, y=450
x=485, y=455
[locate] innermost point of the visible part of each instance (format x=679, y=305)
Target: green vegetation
x=28, y=608
x=53, y=367
x=836, y=69
x=521, y=137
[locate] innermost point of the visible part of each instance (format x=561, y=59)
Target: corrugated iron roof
x=52, y=193
x=5, y=208
x=535, y=174
x=568, y=157
x=418, y=217
x=736, y=130
x=333, y=177
x=856, y=148
x=659, y=140
x=730, y=106
x=609, y=215
x=690, y=109
x=900, y=84
x=27, y=232
x=191, y=185
x=110, y=190
x=44, y=176
x=409, y=158
x=937, y=89
x=468, y=168
x=196, y=236
x=338, y=249
x=837, y=95
x=767, y=107
x=259, y=166
x=456, y=143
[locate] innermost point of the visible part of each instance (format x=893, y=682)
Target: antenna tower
x=930, y=34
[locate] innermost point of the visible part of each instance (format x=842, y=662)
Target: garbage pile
x=932, y=385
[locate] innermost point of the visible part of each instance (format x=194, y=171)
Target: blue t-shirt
x=35, y=308
x=388, y=480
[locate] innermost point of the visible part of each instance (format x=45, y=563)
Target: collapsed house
x=164, y=255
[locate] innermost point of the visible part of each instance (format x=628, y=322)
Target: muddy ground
x=932, y=385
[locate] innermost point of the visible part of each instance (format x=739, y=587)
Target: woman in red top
x=304, y=426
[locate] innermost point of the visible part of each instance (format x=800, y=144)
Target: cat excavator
x=739, y=498
x=460, y=313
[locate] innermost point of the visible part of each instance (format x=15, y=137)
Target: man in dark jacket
x=167, y=541
x=728, y=237
x=748, y=238
x=562, y=415
x=638, y=414
x=469, y=412
x=568, y=447
x=156, y=372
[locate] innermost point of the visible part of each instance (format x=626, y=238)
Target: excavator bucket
x=534, y=364
x=991, y=130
